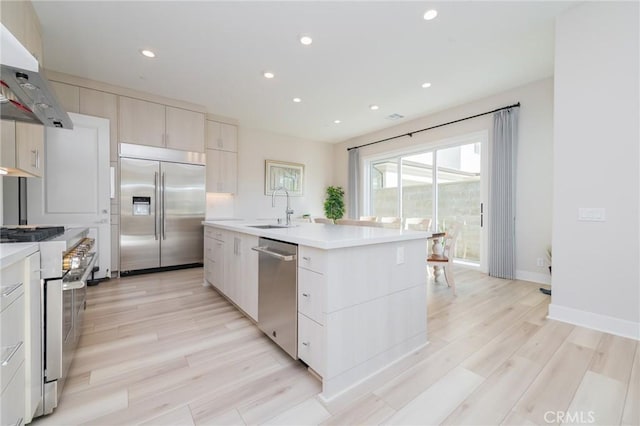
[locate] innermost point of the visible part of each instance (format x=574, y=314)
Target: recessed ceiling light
x=426, y=85
x=268, y=74
x=373, y=107
x=306, y=40
x=337, y=121
x=430, y=14
x=297, y=100
x=148, y=53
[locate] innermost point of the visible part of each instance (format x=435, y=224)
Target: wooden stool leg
x=448, y=274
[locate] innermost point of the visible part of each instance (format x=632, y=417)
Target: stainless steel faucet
x=289, y=211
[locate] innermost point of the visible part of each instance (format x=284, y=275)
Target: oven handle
x=82, y=282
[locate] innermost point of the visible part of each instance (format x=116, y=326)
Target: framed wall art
x=279, y=174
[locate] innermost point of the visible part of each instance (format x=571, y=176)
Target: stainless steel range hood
x=25, y=94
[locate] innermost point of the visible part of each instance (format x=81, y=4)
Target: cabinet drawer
x=11, y=284
x=214, y=233
x=311, y=290
x=12, y=343
x=311, y=343
x=312, y=258
x=12, y=407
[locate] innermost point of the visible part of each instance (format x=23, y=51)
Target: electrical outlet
x=400, y=256
x=540, y=261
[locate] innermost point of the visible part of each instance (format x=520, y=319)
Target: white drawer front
x=311, y=343
x=12, y=406
x=12, y=343
x=11, y=283
x=311, y=291
x=312, y=258
x=214, y=233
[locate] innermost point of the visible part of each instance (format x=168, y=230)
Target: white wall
x=256, y=146
x=596, y=276
x=535, y=171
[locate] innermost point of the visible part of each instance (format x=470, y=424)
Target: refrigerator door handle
x=164, y=216
x=155, y=205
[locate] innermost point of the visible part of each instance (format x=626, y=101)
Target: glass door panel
x=458, y=195
x=384, y=188
x=417, y=186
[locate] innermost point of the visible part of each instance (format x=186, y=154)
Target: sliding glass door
x=443, y=183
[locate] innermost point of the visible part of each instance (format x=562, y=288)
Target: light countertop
x=322, y=236
x=14, y=252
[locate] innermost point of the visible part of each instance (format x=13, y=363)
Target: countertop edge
x=303, y=234
x=11, y=253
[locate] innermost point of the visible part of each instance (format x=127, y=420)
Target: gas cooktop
x=29, y=234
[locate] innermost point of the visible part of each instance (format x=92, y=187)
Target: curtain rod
x=410, y=134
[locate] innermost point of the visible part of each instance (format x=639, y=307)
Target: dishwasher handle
x=286, y=258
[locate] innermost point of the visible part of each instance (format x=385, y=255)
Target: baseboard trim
x=604, y=323
x=535, y=277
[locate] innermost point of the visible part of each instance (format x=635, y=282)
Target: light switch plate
x=591, y=214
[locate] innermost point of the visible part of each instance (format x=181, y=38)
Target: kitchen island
x=361, y=292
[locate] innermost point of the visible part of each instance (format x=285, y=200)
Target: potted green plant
x=334, y=203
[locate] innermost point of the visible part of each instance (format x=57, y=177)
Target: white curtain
x=502, y=195
x=354, y=183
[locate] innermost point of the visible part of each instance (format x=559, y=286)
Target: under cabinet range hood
x=25, y=94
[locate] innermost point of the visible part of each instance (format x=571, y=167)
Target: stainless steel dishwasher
x=278, y=293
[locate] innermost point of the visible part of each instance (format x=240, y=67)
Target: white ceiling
x=368, y=52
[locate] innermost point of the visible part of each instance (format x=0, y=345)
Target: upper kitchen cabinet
x=222, y=136
x=185, y=130
x=68, y=96
x=222, y=171
x=21, y=20
x=148, y=123
x=104, y=105
x=141, y=122
x=22, y=148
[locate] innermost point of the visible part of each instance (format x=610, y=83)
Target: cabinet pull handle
x=306, y=294
x=6, y=361
x=19, y=422
x=306, y=344
x=307, y=258
x=34, y=153
x=9, y=290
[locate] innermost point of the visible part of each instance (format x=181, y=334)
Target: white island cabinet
x=362, y=295
x=20, y=338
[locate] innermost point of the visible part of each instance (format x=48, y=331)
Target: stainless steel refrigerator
x=162, y=205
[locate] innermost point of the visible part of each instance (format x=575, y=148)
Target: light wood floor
x=161, y=349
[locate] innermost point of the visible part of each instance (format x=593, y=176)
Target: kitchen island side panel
x=376, y=310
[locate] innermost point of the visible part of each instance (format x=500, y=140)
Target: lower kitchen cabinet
x=12, y=342
x=33, y=336
x=241, y=272
x=232, y=267
x=311, y=343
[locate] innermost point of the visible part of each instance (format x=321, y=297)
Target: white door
x=75, y=188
